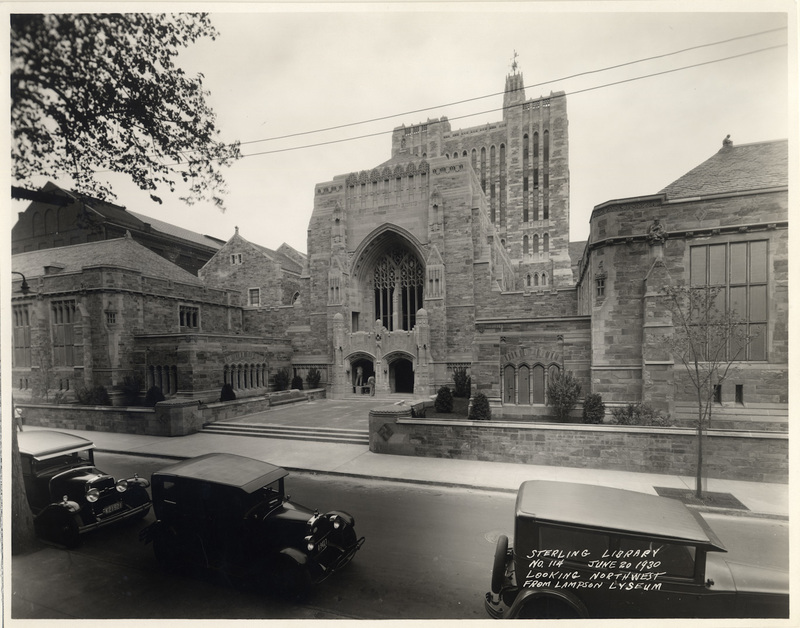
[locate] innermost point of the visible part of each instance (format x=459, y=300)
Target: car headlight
x=122, y=486
x=92, y=495
x=310, y=545
x=337, y=523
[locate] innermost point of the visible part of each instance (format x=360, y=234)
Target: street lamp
x=24, y=288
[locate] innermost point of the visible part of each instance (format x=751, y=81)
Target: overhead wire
x=534, y=85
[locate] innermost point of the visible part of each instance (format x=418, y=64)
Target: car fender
x=137, y=481
x=301, y=558
x=348, y=518
x=67, y=504
x=531, y=596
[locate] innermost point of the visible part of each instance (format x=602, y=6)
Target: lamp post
x=24, y=288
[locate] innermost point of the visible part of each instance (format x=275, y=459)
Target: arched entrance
x=401, y=376
x=361, y=369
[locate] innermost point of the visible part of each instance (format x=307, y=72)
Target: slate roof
x=742, y=168
x=287, y=263
x=122, y=252
x=179, y=232
x=134, y=221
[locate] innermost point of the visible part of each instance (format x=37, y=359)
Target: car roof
x=44, y=444
x=614, y=509
x=241, y=472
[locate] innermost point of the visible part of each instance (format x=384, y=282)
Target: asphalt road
x=428, y=555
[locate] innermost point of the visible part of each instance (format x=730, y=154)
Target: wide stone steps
x=316, y=434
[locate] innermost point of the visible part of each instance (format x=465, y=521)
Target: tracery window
x=398, y=281
x=63, y=318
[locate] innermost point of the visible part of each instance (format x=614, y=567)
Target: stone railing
x=736, y=455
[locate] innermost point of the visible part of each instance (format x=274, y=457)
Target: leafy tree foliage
x=462, y=381
x=297, y=382
x=102, y=92
x=444, y=400
x=312, y=378
x=594, y=410
x=281, y=379
x=480, y=410
x=227, y=393
x=563, y=392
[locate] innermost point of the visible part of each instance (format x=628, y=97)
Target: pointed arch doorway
x=401, y=375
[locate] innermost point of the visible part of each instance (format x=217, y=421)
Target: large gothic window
x=398, y=281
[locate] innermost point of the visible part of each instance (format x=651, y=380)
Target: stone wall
x=751, y=456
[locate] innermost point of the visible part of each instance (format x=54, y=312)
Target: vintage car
x=68, y=494
x=585, y=551
x=229, y=514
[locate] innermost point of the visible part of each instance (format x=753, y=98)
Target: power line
x=496, y=109
x=467, y=100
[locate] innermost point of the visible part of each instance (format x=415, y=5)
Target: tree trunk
x=23, y=535
x=698, y=490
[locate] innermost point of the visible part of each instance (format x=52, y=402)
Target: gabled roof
x=744, y=168
x=178, y=232
x=286, y=262
x=122, y=252
x=134, y=221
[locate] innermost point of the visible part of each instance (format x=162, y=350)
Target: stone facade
x=454, y=252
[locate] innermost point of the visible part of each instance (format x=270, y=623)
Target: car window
x=74, y=459
x=675, y=559
x=581, y=545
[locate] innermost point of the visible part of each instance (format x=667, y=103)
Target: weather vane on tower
x=514, y=64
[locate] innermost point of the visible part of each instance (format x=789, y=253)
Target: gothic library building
x=454, y=252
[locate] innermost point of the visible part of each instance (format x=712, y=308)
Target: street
x=428, y=555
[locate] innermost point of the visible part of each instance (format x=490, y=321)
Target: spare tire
x=499, y=565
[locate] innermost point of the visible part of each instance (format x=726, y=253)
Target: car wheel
x=59, y=526
x=293, y=579
x=499, y=565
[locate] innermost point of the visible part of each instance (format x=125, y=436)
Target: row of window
x=524, y=386
x=536, y=279
x=244, y=376
x=531, y=246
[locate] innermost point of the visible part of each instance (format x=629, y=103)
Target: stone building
x=101, y=311
x=454, y=252
x=410, y=262
x=61, y=218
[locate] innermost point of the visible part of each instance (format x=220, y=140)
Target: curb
x=732, y=512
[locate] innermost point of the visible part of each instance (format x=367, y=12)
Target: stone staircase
x=314, y=434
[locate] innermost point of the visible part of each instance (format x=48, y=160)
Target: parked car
x=230, y=514
x=583, y=551
x=68, y=494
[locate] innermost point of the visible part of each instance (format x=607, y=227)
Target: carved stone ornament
x=656, y=234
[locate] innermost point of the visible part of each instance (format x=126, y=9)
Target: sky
x=279, y=69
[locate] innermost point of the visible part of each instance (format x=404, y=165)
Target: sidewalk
x=762, y=499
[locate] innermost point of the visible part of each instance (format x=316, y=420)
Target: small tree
x=153, y=396
x=227, y=393
x=563, y=392
x=297, y=383
x=707, y=338
x=131, y=387
x=281, y=379
x=593, y=408
x=480, y=409
x=94, y=396
x=462, y=382
x=312, y=378
x=444, y=400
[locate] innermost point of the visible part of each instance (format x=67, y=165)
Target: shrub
x=640, y=414
x=131, y=387
x=94, y=396
x=297, y=382
x=593, y=408
x=563, y=392
x=480, y=410
x=444, y=400
x=153, y=396
x=227, y=393
x=312, y=378
x=281, y=379
x=462, y=381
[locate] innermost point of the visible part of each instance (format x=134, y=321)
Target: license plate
x=112, y=508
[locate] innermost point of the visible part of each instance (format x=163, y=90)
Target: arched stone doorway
x=363, y=366
x=401, y=376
